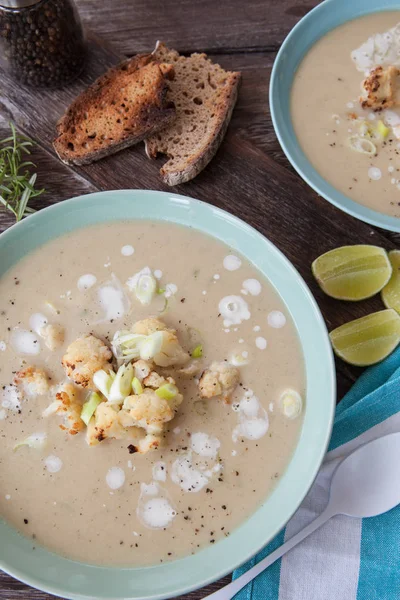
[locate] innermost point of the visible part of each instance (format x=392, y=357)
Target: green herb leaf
x=17, y=184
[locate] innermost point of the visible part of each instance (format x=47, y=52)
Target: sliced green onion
x=145, y=288
x=376, y=132
x=88, y=409
x=36, y=440
x=121, y=386
x=362, y=145
x=103, y=380
x=197, y=352
x=165, y=307
x=168, y=391
x=291, y=404
x=382, y=129
x=161, y=291
x=137, y=386
x=126, y=345
x=152, y=345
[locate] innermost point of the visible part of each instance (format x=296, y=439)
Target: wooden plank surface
x=189, y=25
x=250, y=177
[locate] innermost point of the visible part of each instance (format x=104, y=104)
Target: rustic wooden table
x=249, y=177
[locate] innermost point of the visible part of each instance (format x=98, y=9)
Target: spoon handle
x=228, y=592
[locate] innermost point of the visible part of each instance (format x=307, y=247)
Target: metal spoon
x=365, y=484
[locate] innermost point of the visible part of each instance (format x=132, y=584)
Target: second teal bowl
x=310, y=29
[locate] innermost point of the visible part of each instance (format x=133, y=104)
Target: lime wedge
x=368, y=340
x=352, y=272
x=391, y=292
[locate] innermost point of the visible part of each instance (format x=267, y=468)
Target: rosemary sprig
x=16, y=181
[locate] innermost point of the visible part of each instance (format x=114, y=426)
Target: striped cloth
x=348, y=558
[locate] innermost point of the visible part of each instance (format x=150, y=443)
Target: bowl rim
x=192, y=212
x=288, y=139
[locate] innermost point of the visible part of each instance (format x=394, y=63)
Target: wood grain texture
x=189, y=25
x=250, y=177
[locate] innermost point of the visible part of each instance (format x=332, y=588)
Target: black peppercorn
x=41, y=41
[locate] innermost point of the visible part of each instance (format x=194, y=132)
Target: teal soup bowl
x=75, y=580
x=304, y=35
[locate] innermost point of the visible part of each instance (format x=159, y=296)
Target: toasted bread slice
x=381, y=89
x=204, y=96
x=119, y=109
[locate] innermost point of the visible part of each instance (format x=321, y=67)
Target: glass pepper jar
x=41, y=41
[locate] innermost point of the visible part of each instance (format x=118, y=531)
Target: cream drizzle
x=127, y=250
x=53, y=464
x=204, y=444
x=10, y=398
x=232, y=262
x=381, y=49
x=253, y=418
x=374, y=173
x=276, y=319
x=85, y=282
x=261, y=343
x=186, y=475
x=115, y=478
x=234, y=310
x=113, y=299
x=160, y=471
x=155, y=509
x=391, y=118
x=24, y=342
x=252, y=286
x=170, y=290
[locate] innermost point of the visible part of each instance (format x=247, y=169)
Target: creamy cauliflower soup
x=152, y=390
x=345, y=108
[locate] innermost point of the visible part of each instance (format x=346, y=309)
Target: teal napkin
x=348, y=558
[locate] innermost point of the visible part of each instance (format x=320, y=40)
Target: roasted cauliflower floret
x=142, y=369
x=170, y=352
x=220, y=379
x=32, y=381
x=148, y=443
x=379, y=89
x=107, y=423
x=84, y=357
x=149, y=411
x=148, y=326
x=154, y=380
x=69, y=406
x=53, y=336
